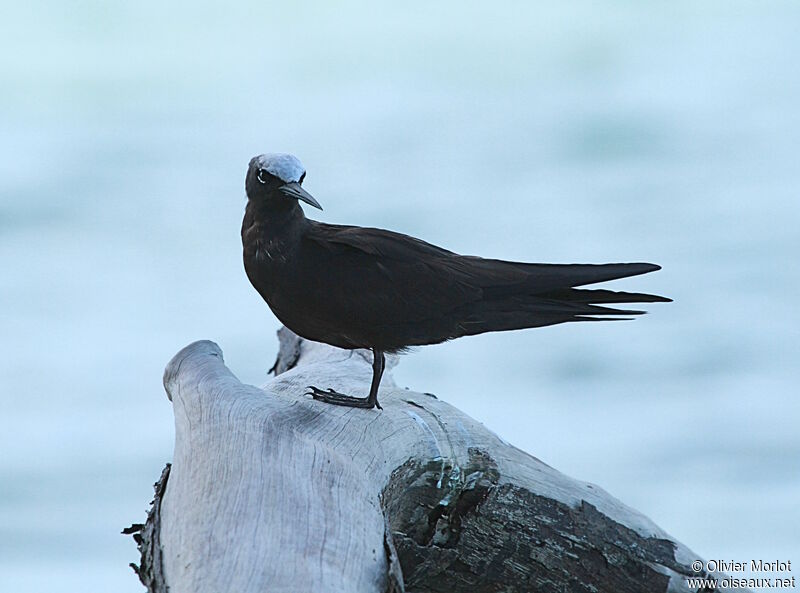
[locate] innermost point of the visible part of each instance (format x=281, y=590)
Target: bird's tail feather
x=597, y=296
x=548, y=296
x=524, y=312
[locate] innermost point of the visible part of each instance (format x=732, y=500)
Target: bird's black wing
x=463, y=295
x=391, y=272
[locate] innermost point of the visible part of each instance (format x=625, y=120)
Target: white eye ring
x=260, y=179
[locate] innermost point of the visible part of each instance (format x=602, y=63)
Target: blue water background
x=572, y=132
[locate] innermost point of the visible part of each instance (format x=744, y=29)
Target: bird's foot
x=329, y=396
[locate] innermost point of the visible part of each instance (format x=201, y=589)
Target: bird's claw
x=329, y=396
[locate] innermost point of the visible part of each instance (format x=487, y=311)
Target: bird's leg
x=378, y=364
x=371, y=401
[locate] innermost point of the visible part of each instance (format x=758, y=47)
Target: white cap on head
x=285, y=167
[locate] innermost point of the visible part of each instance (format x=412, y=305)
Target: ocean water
x=588, y=132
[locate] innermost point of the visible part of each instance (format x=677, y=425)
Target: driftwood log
x=271, y=491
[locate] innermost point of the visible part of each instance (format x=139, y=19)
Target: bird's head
x=277, y=177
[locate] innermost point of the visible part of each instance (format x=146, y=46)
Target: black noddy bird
x=354, y=287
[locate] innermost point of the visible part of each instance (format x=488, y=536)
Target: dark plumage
x=356, y=287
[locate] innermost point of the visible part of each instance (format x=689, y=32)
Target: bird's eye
x=303, y=176
x=262, y=176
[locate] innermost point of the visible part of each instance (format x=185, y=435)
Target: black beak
x=294, y=190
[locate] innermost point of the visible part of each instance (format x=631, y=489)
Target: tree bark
x=272, y=491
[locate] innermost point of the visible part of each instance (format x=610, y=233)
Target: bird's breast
x=268, y=249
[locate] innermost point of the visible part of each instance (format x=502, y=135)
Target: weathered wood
x=272, y=491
